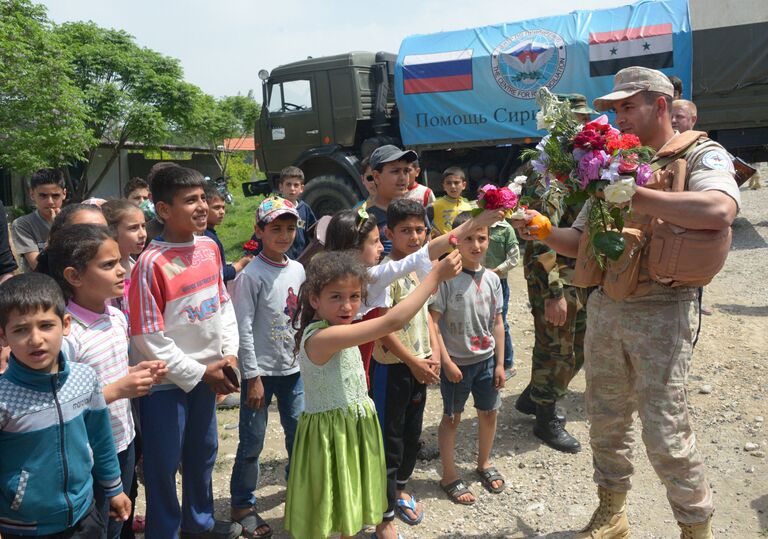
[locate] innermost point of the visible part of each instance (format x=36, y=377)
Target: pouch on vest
x=587, y=271
x=621, y=276
x=683, y=257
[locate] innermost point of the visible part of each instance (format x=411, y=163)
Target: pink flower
x=628, y=163
x=589, y=167
x=484, y=189
x=643, y=174
x=499, y=199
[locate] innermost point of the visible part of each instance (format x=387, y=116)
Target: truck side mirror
x=259, y=187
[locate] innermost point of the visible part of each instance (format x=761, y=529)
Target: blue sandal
x=408, y=504
x=373, y=536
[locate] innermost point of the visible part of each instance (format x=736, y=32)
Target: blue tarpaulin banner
x=478, y=85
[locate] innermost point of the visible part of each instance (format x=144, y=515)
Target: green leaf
x=610, y=244
x=476, y=211
x=618, y=218
x=576, y=198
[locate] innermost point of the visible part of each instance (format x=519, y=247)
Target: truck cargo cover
x=478, y=85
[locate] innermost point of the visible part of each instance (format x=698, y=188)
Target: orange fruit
x=544, y=226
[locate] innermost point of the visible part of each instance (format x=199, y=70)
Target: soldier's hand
x=555, y=311
x=521, y=225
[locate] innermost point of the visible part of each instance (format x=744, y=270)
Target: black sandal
x=488, y=476
x=252, y=522
x=456, y=489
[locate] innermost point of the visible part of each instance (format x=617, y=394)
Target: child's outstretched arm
x=441, y=244
x=323, y=344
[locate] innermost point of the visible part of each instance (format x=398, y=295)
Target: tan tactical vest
x=656, y=251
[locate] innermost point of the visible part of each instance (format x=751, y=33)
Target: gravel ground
x=550, y=494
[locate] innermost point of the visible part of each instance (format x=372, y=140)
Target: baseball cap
x=633, y=80
x=273, y=207
x=578, y=103
x=390, y=153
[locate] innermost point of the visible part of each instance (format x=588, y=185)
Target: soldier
x=559, y=316
x=684, y=115
x=638, y=344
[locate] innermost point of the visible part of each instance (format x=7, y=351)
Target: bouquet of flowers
x=583, y=161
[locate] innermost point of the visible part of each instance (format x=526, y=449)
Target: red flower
x=251, y=246
x=600, y=124
x=500, y=199
x=621, y=142
x=589, y=139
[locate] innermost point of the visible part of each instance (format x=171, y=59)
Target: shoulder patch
x=717, y=160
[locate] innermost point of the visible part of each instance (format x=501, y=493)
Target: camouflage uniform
x=558, y=352
x=640, y=354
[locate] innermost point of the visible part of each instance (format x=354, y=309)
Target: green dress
x=337, y=481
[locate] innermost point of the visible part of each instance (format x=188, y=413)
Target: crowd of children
x=123, y=338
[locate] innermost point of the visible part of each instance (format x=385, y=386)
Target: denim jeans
x=509, y=351
x=289, y=391
x=127, y=460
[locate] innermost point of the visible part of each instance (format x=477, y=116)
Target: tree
x=213, y=120
x=130, y=93
x=42, y=116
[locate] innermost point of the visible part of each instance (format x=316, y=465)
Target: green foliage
x=131, y=93
x=238, y=171
x=42, y=114
x=237, y=227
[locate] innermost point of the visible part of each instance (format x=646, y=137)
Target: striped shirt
x=101, y=342
x=180, y=311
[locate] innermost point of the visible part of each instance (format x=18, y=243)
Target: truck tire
x=328, y=194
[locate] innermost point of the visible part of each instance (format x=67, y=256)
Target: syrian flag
x=646, y=46
x=438, y=72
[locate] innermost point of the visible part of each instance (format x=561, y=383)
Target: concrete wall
x=14, y=188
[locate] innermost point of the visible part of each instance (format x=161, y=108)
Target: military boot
x=702, y=530
x=609, y=521
x=526, y=406
x=550, y=430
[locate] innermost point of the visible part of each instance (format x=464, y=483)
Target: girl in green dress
x=337, y=481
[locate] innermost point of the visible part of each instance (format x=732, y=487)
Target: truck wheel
x=328, y=194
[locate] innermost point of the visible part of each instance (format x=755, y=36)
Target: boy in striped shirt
x=181, y=314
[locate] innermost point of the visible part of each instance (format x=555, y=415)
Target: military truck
x=472, y=105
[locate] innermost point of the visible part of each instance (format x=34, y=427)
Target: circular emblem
x=523, y=63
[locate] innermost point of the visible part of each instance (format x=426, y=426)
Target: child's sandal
x=410, y=503
x=488, y=476
x=456, y=489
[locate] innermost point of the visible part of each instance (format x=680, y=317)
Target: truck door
x=293, y=125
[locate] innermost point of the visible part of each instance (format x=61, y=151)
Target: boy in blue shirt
x=52, y=418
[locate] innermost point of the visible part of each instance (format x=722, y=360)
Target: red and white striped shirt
x=180, y=310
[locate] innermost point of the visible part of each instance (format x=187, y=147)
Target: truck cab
x=320, y=114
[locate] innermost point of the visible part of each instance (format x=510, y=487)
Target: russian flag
x=646, y=46
x=437, y=72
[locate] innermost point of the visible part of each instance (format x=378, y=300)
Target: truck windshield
x=290, y=96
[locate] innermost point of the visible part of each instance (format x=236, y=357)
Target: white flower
x=516, y=185
x=543, y=122
x=519, y=213
x=620, y=191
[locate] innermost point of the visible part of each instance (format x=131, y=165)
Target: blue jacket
x=50, y=424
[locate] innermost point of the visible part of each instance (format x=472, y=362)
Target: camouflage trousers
x=638, y=352
x=558, y=352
